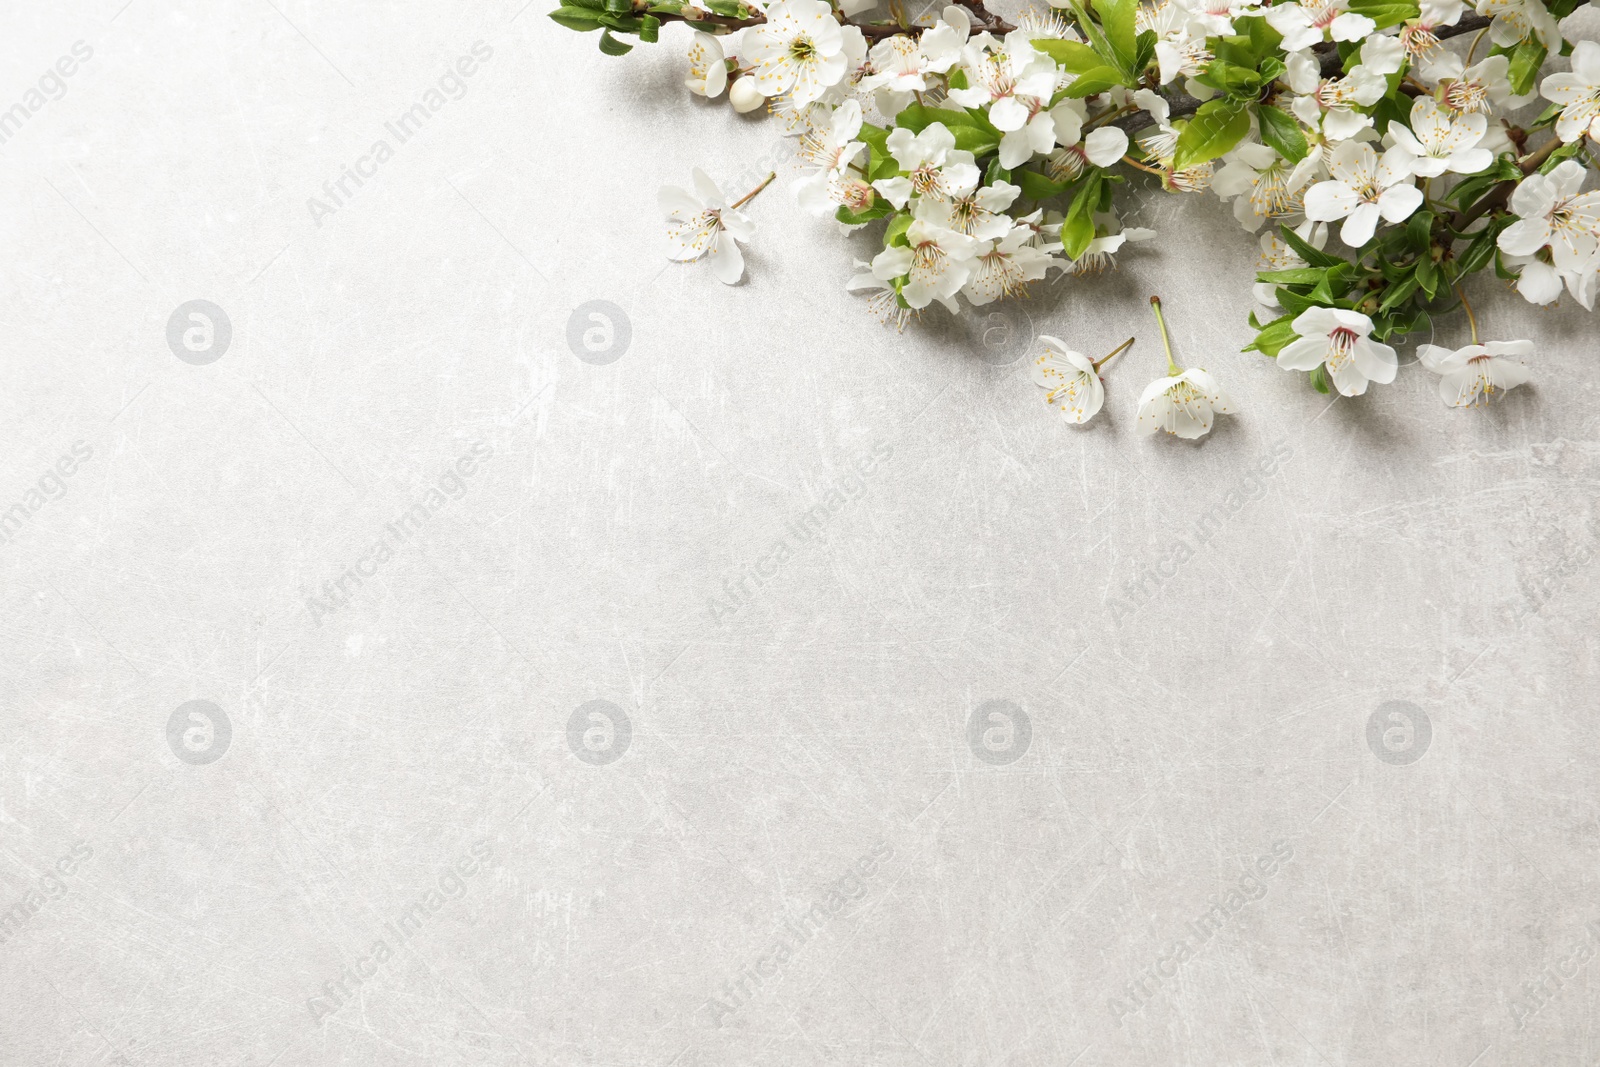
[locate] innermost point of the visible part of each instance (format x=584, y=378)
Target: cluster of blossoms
x=1378, y=164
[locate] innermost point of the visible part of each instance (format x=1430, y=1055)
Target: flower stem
x=1108, y=357
x=1472, y=320
x=751, y=195
x=1136, y=165
x=1173, y=370
x=1474, y=47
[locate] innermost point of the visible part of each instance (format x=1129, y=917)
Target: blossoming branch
x=1379, y=164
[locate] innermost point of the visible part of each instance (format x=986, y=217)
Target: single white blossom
x=1472, y=374
x=1479, y=88
x=1261, y=183
x=831, y=153
x=1361, y=189
x=1552, y=212
x=1342, y=340
x=1578, y=93
x=798, y=50
x=1315, y=21
x=884, y=301
x=1184, y=404
x=936, y=263
x=978, y=211
x=708, y=67
x=702, y=224
x=902, y=64
x=1517, y=20
x=1335, y=101
x=1013, y=79
x=1005, y=266
x=1076, y=390
x=932, y=164
x=1440, y=143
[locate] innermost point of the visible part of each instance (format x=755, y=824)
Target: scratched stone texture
x=439, y=674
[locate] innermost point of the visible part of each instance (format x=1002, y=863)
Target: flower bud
x=744, y=96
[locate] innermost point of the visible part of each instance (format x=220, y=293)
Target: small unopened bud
x=744, y=96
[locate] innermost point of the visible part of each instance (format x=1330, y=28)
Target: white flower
x=932, y=164
x=708, y=67
x=935, y=262
x=832, y=153
x=702, y=224
x=1382, y=54
x=799, y=49
x=884, y=301
x=1214, y=18
x=1006, y=266
x=1303, y=25
x=1550, y=211
x=1180, y=39
x=1440, y=144
x=1479, y=88
x=1362, y=188
x=1335, y=101
x=1097, y=257
x=1104, y=146
x=968, y=209
x=1184, y=404
x=1578, y=92
x=1343, y=340
x=1261, y=183
x=1014, y=80
x=901, y=64
x=1473, y=373
x=1516, y=20
x=1075, y=387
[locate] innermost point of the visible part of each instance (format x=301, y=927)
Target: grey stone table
x=388, y=681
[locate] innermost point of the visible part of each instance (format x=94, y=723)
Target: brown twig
x=874, y=31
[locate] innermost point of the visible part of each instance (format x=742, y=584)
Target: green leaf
x=1295, y=276
x=918, y=117
x=1526, y=59
x=1319, y=379
x=1117, y=18
x=879, y=210
x=1281, y=132
x=896, y=233
x=1477, y=254
x=978, y=142
x=1399, y=293
x=576, y=18
x=650, y=30
x=1070, y=55
x=1036, y=186
x=1097, y=80
x=1427, y=276
x=1386, y=13
x=1314, y=256
x=1215, y=128
x=876, y=136
x=1272, y=338
x=1419, y=230
x=1077, y=229
x=613, y=47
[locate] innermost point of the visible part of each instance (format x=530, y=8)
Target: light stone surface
x=165, y=910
